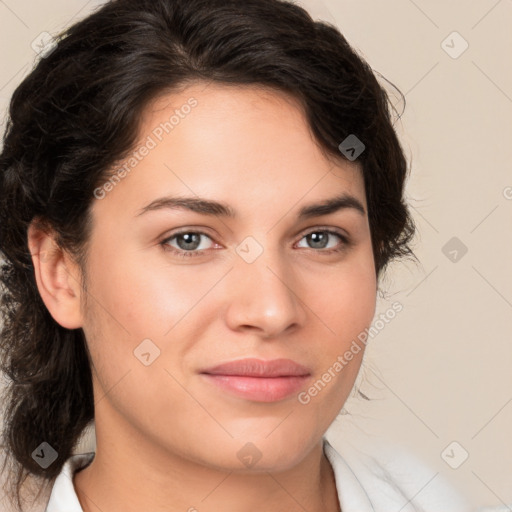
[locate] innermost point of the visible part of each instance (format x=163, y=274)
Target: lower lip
x=259, y=389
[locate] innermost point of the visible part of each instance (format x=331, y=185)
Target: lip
x=259, y=380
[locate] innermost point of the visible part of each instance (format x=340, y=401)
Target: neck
x=129, y=478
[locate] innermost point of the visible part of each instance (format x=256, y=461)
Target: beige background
x=441, y=371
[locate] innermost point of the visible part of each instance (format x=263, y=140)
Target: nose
x=265, y=297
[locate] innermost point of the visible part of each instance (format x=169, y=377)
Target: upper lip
x=252, y=367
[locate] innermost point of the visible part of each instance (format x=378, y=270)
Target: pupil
x=320, y=238
x=190, y=239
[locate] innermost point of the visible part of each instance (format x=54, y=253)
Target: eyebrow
x=219, y=209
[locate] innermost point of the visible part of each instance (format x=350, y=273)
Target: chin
x=279, y=451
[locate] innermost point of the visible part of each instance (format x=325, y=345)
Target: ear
x=58, y=277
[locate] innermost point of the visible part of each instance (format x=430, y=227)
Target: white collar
x=63, y=497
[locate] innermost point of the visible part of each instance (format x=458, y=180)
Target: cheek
x=140, y=299
x=348, y=311
x=347, y=304
x=126, y=304
x=358, y=300
x=143, y=297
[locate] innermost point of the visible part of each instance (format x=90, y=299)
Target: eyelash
x=345, y=243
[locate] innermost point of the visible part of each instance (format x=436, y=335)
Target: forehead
x=238, y=144
x=257, y=111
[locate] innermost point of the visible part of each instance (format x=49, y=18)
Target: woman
x=198, y=200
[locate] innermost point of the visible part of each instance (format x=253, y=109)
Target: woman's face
x=265, y=283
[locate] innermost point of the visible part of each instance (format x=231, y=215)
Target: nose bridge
x=263, y=289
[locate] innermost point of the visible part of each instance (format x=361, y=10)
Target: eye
x=189, y=243
x=319, y=239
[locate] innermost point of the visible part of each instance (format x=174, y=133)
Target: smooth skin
x=167, y=439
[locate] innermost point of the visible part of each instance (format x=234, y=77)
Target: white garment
x=364, y=486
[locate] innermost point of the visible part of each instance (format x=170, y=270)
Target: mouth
x=258, y=380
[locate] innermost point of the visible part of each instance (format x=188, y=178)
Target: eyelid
x=331, y=229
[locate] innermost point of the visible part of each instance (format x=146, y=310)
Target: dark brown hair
x=77, y=114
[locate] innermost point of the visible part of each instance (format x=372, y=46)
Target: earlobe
x=57, y=277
